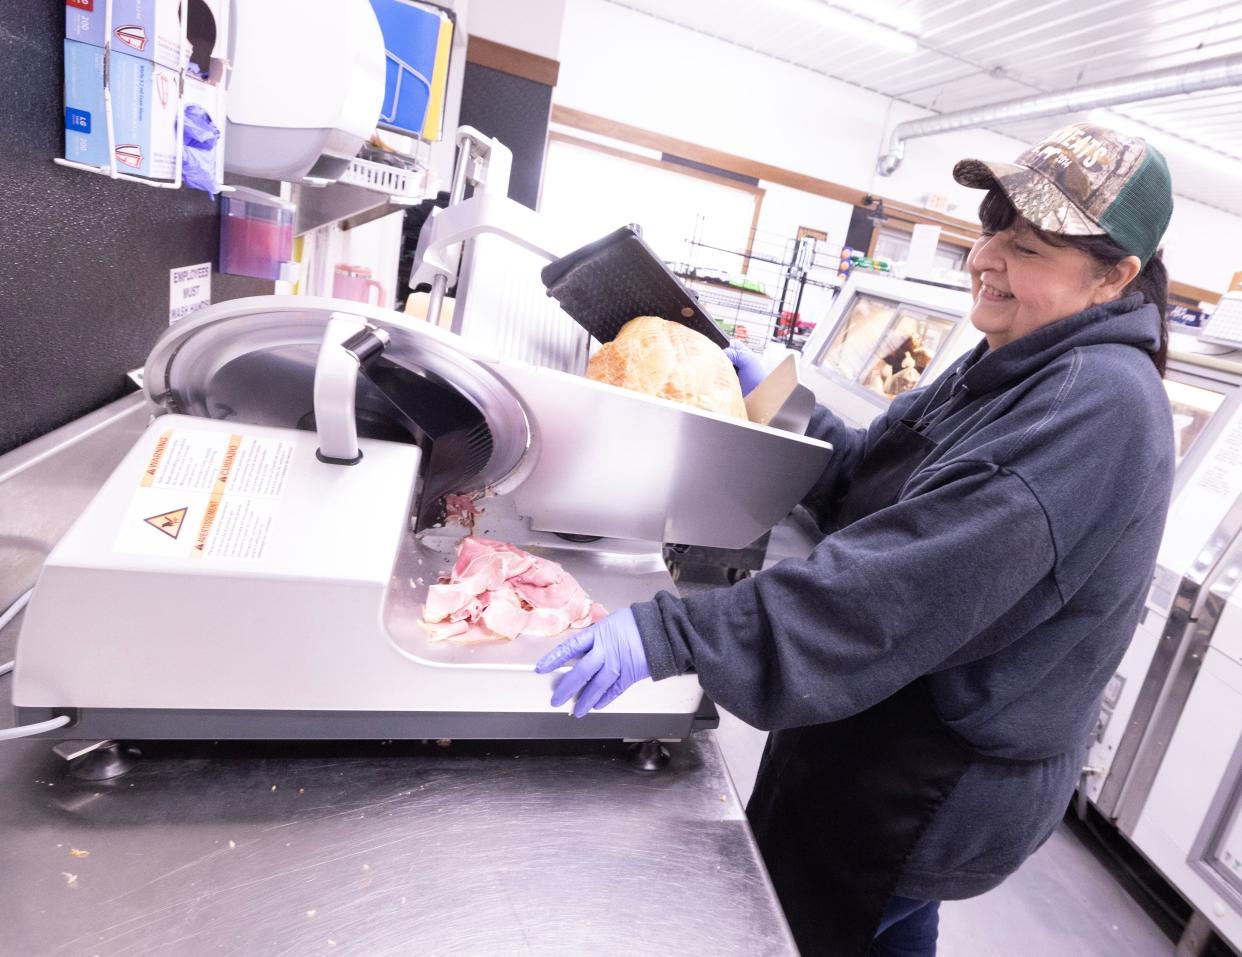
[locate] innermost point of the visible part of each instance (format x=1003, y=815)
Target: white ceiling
x=972, y=54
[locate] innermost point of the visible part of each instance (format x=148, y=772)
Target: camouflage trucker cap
x=1085, y=180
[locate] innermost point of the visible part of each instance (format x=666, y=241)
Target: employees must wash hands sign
x=189, y=288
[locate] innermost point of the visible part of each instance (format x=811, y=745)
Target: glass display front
x=1227, y=855
x=885, y=346
x=1193, y=407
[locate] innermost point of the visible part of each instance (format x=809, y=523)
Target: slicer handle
x=347, y=342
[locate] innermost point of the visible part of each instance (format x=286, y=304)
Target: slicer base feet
x=648, y=755
x=110, y=759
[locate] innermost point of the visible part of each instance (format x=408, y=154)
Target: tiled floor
x=1063, y=902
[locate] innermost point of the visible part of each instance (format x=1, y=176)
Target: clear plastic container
x=256, y=233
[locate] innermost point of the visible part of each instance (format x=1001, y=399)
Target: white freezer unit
x=884, y=336
x=247, y=572
x=1142, y=702
x=1190, y=826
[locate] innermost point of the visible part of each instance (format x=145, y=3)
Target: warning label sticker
x=223, y=490
x=169, y=522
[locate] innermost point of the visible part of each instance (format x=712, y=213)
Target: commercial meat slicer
x=256, y=565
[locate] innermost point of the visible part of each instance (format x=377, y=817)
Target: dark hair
x=996, y=212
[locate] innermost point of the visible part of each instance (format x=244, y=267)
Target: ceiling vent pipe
x=1209, y=75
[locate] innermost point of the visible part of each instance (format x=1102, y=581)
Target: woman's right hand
x=750, y=371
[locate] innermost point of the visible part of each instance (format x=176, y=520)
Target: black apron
x=837, y=808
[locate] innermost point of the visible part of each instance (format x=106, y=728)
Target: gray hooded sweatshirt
x=1011, y=572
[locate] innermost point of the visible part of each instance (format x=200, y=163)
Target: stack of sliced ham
x=499, y=591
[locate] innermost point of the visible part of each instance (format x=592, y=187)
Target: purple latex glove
x=611, y=659
x=750, y=371
x=198, y=158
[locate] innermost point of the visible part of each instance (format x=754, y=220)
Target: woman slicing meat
x=1009, y=515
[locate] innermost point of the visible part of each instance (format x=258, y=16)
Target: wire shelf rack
x=759, y=298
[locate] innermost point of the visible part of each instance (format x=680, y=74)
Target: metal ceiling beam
x=1214, y=74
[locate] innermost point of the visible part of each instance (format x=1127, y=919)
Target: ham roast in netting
x=669, y=360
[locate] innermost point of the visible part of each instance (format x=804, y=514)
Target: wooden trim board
x=601, y=126
x=511, y=60
x=701, y=154
x=959, y=232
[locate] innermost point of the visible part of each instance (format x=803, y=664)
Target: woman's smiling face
x=1021, y=283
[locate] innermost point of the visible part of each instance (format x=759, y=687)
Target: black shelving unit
x=766, y=316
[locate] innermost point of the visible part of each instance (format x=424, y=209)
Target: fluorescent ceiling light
x=853, y=24
x=1167, y=142
x=886, y=14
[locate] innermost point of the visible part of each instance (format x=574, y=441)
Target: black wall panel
x=862, y=225
x=515, y=111
x=84, y=260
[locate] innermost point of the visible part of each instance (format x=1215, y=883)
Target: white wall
x=649, y=73
x=1203, y=245
x=530, y=25
x=636, y=69
x=785, y=209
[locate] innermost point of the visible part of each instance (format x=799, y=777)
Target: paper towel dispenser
x=306, y=89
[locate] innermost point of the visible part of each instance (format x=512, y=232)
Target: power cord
x=25, y=730
x=9, y=614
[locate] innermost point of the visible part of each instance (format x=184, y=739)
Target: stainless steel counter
x=453, y=851
x=524, y=851
x=471, y=848
x=372, y=849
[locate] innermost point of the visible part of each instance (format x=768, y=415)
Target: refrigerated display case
x=1190, y=827
x=882, y=337
x=1193, y=404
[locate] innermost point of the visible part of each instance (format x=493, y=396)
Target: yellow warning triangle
x=169, y=522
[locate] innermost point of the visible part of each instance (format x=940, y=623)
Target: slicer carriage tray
x=614, y=573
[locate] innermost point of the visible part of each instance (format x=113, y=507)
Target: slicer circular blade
x=253, y=361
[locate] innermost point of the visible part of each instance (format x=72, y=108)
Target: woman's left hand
x=611, y=659
x=750, y=371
